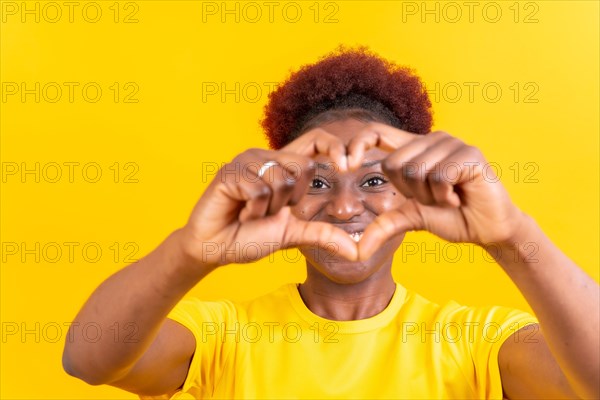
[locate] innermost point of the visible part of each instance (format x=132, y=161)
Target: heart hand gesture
x=244, y=214
x=447, y=193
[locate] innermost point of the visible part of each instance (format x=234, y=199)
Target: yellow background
x=549, y=47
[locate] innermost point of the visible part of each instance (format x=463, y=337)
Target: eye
x=318, y=184
x=374, y=181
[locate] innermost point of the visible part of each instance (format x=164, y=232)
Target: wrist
x=505, y=229
x=520, y=247
x=189, y=260
x=518, y=231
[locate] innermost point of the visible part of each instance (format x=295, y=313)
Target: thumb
x=322, y=234
x=385, y=226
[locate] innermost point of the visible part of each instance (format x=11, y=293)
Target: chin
x=340, y=270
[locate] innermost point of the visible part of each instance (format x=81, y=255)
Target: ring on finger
x=265, y=167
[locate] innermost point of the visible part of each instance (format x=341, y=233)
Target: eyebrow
x=364, y=165
x=371, y=163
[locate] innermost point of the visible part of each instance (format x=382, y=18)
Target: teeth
x=356, y=236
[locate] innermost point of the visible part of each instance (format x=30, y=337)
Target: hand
x=447, y=193
x=243, y=217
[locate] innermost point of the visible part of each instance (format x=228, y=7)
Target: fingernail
x=351, y=162
x=344, y=165
x=353, y=253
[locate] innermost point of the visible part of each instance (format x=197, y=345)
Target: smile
x=356, y=235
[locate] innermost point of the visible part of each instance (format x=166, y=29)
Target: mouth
x=354, y=230
x=356, y=235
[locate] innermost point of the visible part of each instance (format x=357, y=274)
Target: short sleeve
x=206, y=320
x=487, y=329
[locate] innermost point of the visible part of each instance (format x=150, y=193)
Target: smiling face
x=350, y=201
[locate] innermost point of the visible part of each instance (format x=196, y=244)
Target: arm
x=143, y=294
x=565, y=360
x=235, y=210
x=466, y=207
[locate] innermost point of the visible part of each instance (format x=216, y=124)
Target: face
x=350, y=201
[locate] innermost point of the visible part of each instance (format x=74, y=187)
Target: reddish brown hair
x=353, y=79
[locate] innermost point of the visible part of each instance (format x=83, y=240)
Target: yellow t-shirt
x=274, y=347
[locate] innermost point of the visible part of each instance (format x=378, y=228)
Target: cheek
x=307, y=208
x=389, y=200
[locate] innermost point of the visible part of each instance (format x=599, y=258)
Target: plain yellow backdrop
x=120, y=110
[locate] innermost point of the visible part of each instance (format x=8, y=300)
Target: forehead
x=347, y=129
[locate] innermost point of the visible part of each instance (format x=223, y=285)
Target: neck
x=347, y=302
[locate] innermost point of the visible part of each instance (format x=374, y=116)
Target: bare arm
x=235, y=210
x=564, y=360
x=469, y=207
x=143, y=294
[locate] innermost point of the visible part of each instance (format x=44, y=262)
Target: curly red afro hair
x=348, y=79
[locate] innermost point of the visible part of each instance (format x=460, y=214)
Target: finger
x=412, y=149
x=377, y=135
x=454, y=172
x=294, y=163
x=469, y=161
x=288, y=175
x=301, y=185
x=252, y=194
x=442, y=191
x=403, y=174
x=389, y=224
x=441, y=182
x=412, y=166
x=322, y=234
x=254, y=197
x=298, y=174
x=428, y=185
x=450, y=172
x=282, y=188
x=318, y=141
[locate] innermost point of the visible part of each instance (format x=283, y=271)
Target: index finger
x=377, y=135
x=319, y=141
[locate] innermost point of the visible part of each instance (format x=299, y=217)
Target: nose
x=345, y=204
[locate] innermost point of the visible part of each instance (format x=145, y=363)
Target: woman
x=350, y=174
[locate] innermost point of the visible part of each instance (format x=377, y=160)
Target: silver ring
x=265, y=167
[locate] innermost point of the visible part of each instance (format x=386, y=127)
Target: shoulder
x=227, y=310
x=492, y=320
